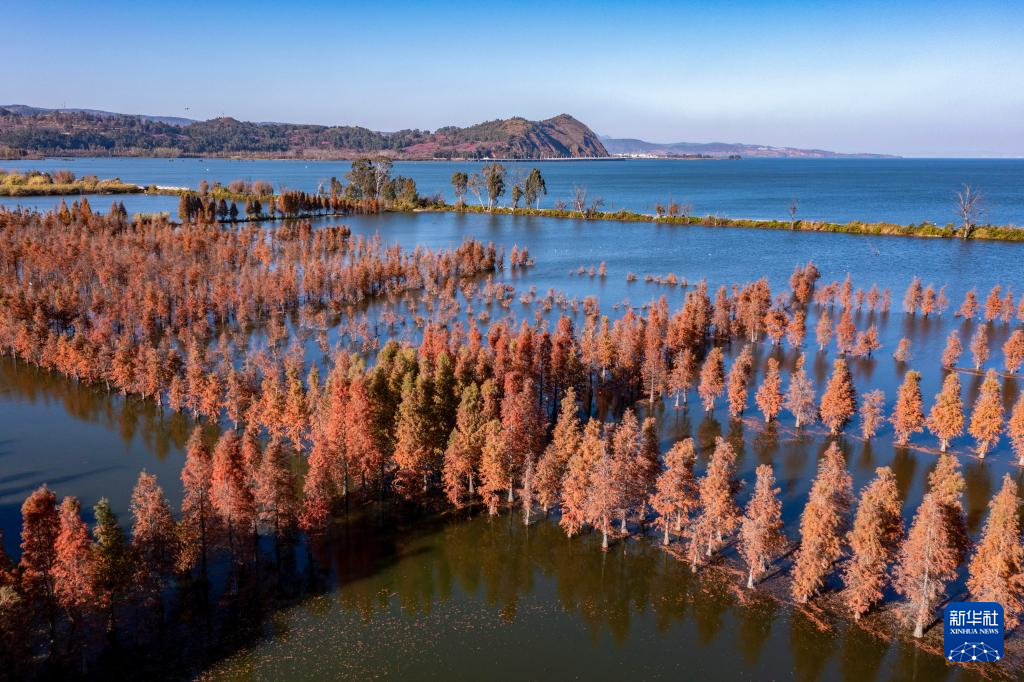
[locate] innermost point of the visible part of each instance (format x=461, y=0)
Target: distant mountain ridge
x=635, y=147
x=86, y=132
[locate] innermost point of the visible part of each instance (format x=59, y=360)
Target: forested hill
x=24, y=130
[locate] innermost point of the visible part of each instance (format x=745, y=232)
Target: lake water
x=893, y=190
x=489, y=598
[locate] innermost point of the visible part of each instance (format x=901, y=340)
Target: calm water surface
x=894, y=190
x=489, y=598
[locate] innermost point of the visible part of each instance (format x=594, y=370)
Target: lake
x=839, y=190
x=464, y=598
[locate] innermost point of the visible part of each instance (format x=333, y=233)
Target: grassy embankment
x=59, y=183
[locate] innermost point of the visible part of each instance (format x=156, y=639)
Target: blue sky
x=913, y=78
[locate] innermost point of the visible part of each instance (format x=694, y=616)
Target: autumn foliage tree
x=997, y=568
x=800, y=397
x=987, y=416
x=874, y=542
x=769, y=397
x=761, y=535
x=839, y=402
x=822, y=525
x=946, y=418
x=872, y=408
x=675, y=495
x=927, y=562
x=718, y=515
x=1015, y=429
x=712, y=378
x=907, y=416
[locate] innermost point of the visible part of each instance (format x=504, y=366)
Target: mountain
x=90, y=132
x=634, y=147
x=23, y=109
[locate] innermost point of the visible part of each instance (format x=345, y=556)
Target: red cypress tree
x=954, y=349
x=823, y=331
x=987, y=417
x=907, y=416
x=675, y=495
x=74, y=565
x=902, y=353
x=874, y=541
x=712, y=378
x=846, y=332
x=576, y=483
x=1015, y=429
x=822, y=525
x=946, y=419
x=1013, y=351
x=839, y=402
x=979, y=346
x=495, y=475
x=413, y=453
x=684, y=373
x=739, y=377
x=769, y=395
x=997, y=568
x=800, y=396
x=927, y=562
x=230, y=493
x=198, y=525
x=40, y=525
x=318, y=489
x=153, y=540
x=465, y=446
x=969, y=308
x=275, y=492
x=872, y=408
x=564, y=443
x=604, y=496
x=718, y=516
x=761, y=535
x=946, y=483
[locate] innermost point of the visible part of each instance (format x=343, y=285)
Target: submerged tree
x=800, y=398
x=997, y=568
x=946, y=484
x=839, y=402
x=927, y=562
x=675, y=495
x=907, y=415
x=1015, y=429
x=761, y=535
x=565, y=441
x=769, y=395
x=872, y=408
x=718, y=516
x=954, y=349
x=874, y=541
x=987, y=417
x=822, y=525
x=712, y=378
x=946, y=418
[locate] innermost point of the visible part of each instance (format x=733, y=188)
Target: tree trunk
x=665, y=541
x=750, y=579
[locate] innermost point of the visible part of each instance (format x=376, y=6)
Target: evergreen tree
x=113, y=563
x=462, y=457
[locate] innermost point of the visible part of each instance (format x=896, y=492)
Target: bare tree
x=579, y=200
x=968, y=209
x=794, y=206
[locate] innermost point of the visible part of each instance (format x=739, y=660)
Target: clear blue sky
x=914, y=78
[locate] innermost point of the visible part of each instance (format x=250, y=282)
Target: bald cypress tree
x=954, y=349
x=739, y=377
x=576, y=483
x=465, y=447
x=198, y=524
x=675, y=495
x=946, y=484
x=987, y=417
x=997, y=568
x=874, y=542
x=800, y=398
x=872, y=408
x=907, y=417
x=1015, y=429
x=712, y=378
x=927, y=562
x=946, y=418
x=822, y=525
x=74, y=566
x=719, y=516
x=761, y=535
x=979, y=346
x=564, y=443
x=839, y=402
x=769, y=395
